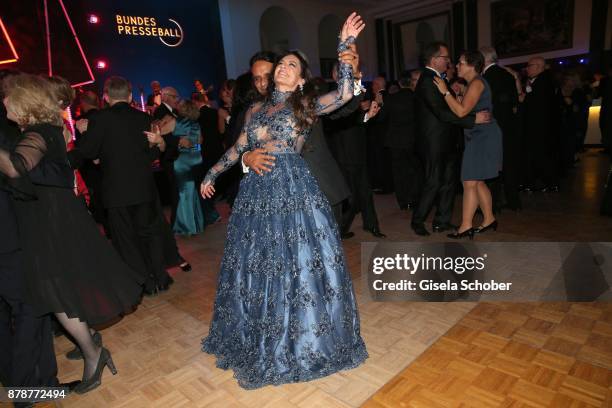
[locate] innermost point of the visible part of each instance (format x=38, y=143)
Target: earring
x=301, y=87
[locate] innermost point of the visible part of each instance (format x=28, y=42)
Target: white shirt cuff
x=245, y=168
x=366, y=117
x=357, y=87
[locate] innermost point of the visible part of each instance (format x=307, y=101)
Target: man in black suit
x=154, y=99
x=347, y=135
x=605, y=112
x=116, y=136
x=324, y=167
x=505, y=104
x=379, y=168
x=435, y=145
x=400, y=140
x=89, y=104
x=541, y=132
x=169, y=102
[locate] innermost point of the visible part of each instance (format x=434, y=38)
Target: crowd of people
x=311, y=156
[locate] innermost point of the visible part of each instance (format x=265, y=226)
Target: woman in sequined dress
x=285, y=308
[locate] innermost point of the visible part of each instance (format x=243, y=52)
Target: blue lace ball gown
x=285, y=308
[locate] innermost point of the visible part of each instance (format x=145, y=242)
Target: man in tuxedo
x=541, y=121
x=378, y=165
x=435, y=144
x=400, y=140
x=605, y=113
x=154, y=100
x=169, y=102
x=505, y=104
x=251, y=86
x=116, y=136
x=324, y=167
x=347, y=134
x=89, y=104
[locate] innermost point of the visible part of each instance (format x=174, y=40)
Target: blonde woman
x=70, y=269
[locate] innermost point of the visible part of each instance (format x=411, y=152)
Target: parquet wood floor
x=513, y=355
x=421, y=354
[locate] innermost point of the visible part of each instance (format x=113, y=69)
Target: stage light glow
x=93, y=19
x=76, y=38
x=10, y=43
x=582, y=60
x=70, y=122
x=101, y=64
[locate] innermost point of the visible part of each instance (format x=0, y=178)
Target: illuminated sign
x=149, y=27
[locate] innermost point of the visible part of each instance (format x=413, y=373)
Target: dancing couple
x=285, y=307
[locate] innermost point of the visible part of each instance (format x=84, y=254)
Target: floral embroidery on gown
x=285, y=308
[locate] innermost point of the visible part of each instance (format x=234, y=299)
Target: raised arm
x=333, y=100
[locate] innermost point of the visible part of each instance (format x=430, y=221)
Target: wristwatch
x=446, y=93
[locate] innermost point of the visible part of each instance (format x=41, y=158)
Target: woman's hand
x=441, y=85
x=207, y=190
x=352, y=26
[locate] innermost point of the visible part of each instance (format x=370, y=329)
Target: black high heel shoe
x=458, y=235
x=95, y=380
x=482, y=229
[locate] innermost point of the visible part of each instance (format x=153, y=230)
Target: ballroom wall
x=240, y=24
x=471, y=28
x=581, y=32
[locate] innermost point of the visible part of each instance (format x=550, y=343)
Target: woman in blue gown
x=285, y=308
x=189, y=214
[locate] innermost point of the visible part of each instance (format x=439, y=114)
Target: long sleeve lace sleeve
x=17, y=163
x=333, y=100
x=26, y=155
x=230, y=157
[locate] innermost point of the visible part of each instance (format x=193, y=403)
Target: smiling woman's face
x=288, y=73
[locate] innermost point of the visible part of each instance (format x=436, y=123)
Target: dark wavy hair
x=302, y=102
x=474, y=58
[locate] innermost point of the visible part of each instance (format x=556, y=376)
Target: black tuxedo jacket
x=541, y=110
x=172, y=151
x=347, y=134
x=212, y=145
x=434, y=118
x=605, y=113
x=398, y=110
x=504, y=95
x=115, y=136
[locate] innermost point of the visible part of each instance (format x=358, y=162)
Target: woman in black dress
x=70, y=269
